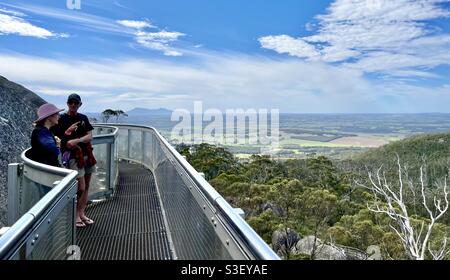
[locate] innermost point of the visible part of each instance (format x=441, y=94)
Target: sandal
x=87, y=221
x=80, y=224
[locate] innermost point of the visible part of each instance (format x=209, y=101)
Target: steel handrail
x=233, y=222
x=250, y=238
x=99, y=137
x=19, y=229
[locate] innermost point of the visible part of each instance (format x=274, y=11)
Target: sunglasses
x=73, y=102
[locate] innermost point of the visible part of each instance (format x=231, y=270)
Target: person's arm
x=59, y=131
x=85, y=139
x=86, y=126
x=71, y=129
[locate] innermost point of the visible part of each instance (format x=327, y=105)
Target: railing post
x=153, y=153
x=74, y=217
x=14, y=171
x=142, y=146
x=108, y=167
x=112, y=165
x=129, y=143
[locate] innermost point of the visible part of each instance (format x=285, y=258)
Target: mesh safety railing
x=200, y=223
x=42, y=201
x=41, y=212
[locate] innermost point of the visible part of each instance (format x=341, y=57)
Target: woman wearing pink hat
x=44, y=145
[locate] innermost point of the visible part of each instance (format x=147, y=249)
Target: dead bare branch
x=391, y=202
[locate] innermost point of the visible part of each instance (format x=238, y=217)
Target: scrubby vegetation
x=327, y=199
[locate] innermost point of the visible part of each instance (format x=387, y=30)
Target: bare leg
x=84, y=197
x=80, y=192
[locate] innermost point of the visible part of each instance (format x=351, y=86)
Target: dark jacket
x=43, y=147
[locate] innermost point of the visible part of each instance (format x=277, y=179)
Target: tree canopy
x=318, y=197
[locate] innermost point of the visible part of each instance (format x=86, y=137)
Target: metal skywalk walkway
x=128, y=226
x=153, y=205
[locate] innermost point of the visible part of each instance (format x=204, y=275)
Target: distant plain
x=302, y=135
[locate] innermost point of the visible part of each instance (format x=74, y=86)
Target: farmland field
x=333, y=135
x=360, y=141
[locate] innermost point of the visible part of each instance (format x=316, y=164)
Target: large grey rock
x=284, y=240
x=18, y=107
x=354, y=253
x=322, y=251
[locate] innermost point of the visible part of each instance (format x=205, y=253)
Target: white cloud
x=82, y=20
x=220, y=81
x=286, y=44
x=172, y=53
x=10, y=12
x=12, y=23
x=162, y=36
x=159, y=41
x=137, y=24
x=398, y=34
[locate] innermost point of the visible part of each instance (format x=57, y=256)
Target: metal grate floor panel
x=129, y=226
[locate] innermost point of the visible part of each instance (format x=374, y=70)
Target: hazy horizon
x=287, y=113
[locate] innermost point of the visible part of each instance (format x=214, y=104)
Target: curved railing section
x=41, y=208
x=201, y=224
x=104, y=180
x=42, y=201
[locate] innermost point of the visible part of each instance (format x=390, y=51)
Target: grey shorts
x=81, y=171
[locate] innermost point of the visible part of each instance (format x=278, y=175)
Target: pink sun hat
x=47, y=110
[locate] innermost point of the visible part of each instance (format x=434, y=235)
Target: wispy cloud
x=287, y=44
x=160, y=40
x=153, y=40
x=81, y=19
x=220, y=81
x=116, y=3
x=13, y=22
x=137, y=24
x=13, y=13
x=373, y=35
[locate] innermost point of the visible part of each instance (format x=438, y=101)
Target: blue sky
x=343, y=56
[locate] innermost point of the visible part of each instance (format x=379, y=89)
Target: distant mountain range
x=143, y=111
x=135, y=114
x=158, y=118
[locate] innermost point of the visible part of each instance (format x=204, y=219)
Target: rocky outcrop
x=321, y=251
x=18, y=107
x=284, y=240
